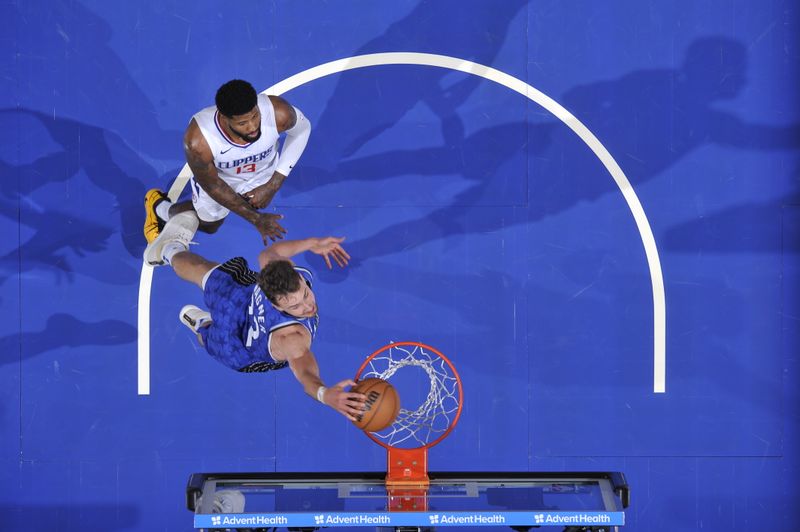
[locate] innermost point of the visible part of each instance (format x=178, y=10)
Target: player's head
x=287, y=290
x=237, y=103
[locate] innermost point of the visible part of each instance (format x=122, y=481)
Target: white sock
x=162, y=210
x=171, y=249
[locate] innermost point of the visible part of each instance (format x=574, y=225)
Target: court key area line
x=491, y=74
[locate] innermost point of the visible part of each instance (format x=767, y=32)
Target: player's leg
x=205, y=226
x=195, y=269
x=191, y=267
x=210, y=213
x=227, y=293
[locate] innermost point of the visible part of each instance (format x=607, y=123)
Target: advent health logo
x=466, y=519
x=572, y=518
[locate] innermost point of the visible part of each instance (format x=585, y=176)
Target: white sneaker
x=180, y=228
x=195, y=318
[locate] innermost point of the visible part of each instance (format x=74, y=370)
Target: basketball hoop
x=417, y=427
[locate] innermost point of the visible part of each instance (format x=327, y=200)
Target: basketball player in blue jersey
x=232, y=150
x=257, y=322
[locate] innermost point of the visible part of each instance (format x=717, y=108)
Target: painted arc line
x=143, y=330
x=145, y=285
x=510, y=82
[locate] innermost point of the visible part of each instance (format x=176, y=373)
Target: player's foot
x=152, y=223
x=180, y=229
x=195, y=318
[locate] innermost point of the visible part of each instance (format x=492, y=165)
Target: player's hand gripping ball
x=381, y=407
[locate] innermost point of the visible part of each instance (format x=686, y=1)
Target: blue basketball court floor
x=591, y=208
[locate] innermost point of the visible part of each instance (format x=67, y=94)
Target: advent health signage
x=367, y=519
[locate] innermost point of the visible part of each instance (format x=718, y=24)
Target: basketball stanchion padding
x=382, y=404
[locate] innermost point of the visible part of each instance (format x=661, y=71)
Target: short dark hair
x=236, y=97
x=278, y=278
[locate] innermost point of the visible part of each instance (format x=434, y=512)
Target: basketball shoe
x=195, y=318
x=179, y=230
x=152, y=223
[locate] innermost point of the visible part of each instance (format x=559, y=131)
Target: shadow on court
x=65, y=42
x=657, y=117
x=758, y=225
x=660, y=116
x=63, y=330
x=110, y=166
x=649, y=120
x=378, y=102
x=481, y=156
x=56, y=237
x=476, y=157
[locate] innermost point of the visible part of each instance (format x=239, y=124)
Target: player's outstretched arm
x=293, y=344
x=201, y=162
x=329, y=247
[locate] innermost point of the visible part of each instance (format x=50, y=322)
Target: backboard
x=306, y=501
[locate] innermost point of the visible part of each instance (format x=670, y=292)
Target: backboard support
x=306, y=501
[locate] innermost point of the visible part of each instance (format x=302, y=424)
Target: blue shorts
x=227, y=292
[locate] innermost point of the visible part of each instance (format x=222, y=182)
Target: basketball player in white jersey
x=232, y=150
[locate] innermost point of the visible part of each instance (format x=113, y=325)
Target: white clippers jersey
x=242, y=166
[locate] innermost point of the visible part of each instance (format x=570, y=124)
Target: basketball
x=382, y=404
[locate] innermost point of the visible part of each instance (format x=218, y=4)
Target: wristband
x=321, y=394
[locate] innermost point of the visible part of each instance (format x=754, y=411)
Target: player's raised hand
x=268, y=226
x=349, y=404
x=331, y=247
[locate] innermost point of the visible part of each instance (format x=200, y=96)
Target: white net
x=438, y=408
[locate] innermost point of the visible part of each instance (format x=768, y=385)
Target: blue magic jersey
x=244, y=319
x=242, y=166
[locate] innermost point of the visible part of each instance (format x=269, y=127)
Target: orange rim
x=455, y=374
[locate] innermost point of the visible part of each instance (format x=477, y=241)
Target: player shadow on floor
x=75, y=68
x=482, y=158
x=102, y=156
x=684, y=106
x=379, y=102
x=657, y=118
x=748, y=227
x=59, y=237
x=70, y=52
x=478, y=158
x=64, y=330
x=650, y=120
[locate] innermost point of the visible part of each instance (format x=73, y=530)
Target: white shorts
x=209, y=210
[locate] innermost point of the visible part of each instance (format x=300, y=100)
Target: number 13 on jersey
x=246, y=168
